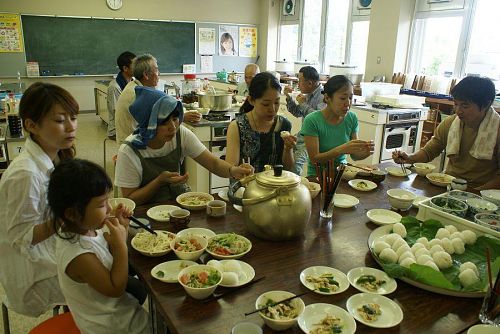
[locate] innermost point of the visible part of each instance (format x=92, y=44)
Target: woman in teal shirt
x=331, y=133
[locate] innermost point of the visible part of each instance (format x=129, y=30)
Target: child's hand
x=122, y=213
x=117, y=235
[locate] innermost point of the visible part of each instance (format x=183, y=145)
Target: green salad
x=446, y=278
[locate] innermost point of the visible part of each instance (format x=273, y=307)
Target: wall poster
x=248, y=42
x=11, y=38
x=227, y=37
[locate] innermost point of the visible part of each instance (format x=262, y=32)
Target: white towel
x=486, y=139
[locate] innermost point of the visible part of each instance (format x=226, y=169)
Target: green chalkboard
x=84, y=46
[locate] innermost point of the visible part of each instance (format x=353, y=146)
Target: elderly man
x=146, y=73
x=251, y=70
x=310, y=99
x=116, y=86
x=471, y=137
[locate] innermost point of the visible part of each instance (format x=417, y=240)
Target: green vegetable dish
x=369, y=312
x=450, y=279
x=370, y=282
x=228, y=244
x=324, y=283
x=328, y=325
x=281, y=311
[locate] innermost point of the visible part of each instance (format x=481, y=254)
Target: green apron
x=152, y=167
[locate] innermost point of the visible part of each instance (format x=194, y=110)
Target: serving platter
x=383, y=230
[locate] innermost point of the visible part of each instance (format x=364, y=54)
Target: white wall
x=223, y=11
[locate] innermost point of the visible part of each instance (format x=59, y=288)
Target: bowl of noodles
x=194, y=200
x=152, y=245
x=228, y=246
x=439, y=179
x=200, y=281
x=279, y=316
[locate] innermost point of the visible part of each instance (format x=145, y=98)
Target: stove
x=216, y=117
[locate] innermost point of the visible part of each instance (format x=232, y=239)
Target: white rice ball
x=391, y=238
x=455, y=235
x=469, y=265
x=388, y=255
x=451, y=228
x=432, y=265
x=398, y=243
x=448, y=246
x=399, y=229
x=216, y=264
x=403, y=249
x=442, y=233
x=469, y=237
x=230, y=278
x=421, y=251
x=436, y=248
x=232, y=265
x=406, y=255
x=423, y=241
x=458, y=245
x=379, y=246
x=422, y=259
x=407, y=262
x=416, y=246
x=242, y=277
x=468, y=277
x=435, y=242
x=443, y=260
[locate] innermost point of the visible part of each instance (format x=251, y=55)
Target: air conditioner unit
x=289, y=7
x=364, y=4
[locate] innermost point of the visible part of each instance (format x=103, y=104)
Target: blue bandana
x=150, y=108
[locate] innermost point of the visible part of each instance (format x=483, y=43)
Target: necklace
x=256, y=126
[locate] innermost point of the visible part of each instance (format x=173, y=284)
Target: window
x=289, y=38
x=336, y=33
x=359, y=44
x=311, y=29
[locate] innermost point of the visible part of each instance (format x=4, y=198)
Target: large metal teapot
x=276, y=205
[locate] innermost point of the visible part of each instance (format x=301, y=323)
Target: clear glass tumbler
x=490, y=310
x=325, y=197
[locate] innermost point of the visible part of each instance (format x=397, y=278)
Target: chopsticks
x=284, y=300
x=362, y=168
x=227, y=292
x=402, y=165
x=146, y=227
x=329, y=180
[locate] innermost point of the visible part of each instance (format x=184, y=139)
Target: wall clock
x=114, y=4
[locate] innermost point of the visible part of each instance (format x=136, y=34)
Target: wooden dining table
x=339, y=242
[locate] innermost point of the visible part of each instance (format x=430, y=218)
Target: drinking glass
x=325, y=197
x=490, y=310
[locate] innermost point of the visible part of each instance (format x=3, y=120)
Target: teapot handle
x=232, y=190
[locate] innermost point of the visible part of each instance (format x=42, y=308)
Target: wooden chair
x=398, y=78
x=453, y=82
x=60, y=324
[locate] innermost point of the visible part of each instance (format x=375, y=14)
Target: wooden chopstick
x=284, y=300
x=146, y=227
x=362, y=168
x=227, y=292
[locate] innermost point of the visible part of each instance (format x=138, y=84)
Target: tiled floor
x=89, y=145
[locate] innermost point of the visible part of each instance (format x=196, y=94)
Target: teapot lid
x=277, y=177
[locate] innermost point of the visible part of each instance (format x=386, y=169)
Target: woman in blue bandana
x=148, y=164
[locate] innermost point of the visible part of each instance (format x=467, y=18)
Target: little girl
x=92, y=265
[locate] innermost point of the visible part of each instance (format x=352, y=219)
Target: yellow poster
x=11, y=38
x=248, y=42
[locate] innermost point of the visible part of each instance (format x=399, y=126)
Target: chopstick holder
x=138, y=222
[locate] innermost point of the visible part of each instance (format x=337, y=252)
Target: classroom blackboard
x=90, y=46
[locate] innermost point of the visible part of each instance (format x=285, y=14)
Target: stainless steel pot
x=276, y=205
x=215, y=101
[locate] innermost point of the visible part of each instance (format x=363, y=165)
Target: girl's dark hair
x=73, y=184
x=224, y=37
x=478, y=90
x=336, y=83
x=258, y=87
x=39, y=100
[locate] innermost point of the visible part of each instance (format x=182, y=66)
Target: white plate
x=171, y=270
x=345, y=201
x=206, y=198
x=161, y=212
x=202, y=232
x=369, y=184
x=397, y=171
x=389, y=286
x=248, y=271
x=439, y=179
x=383, y=230
x=391, y=312
x=238, y=207
x=339, y=276
x=383, y=216
x=314, y=313
x=483, y=329
x=228, y=257
x=418, y=200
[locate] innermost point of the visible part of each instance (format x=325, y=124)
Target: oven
x=398, y=136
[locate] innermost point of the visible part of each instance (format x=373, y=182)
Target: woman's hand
x=122, y=213
x=173, y=177
x=288, y=90
x=301, y=98
x=192, y=116
x=358, y=147
x=401, y=157
x=289, y=141
x=241, y=171
x=117, y=235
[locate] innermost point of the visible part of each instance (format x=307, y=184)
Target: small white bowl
x=439, y=179
x=383, y=216
x=488, y=220
x=492, y=195
x=276, y=296
x=350, y=173
x=401, y=199
x=423, y=168
x=152, y=253
x=204, y=198
x=314, y=189
x=202, y=292
x=214, y=241
x=127, y=202
x=479, y=205
x=193, y=239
